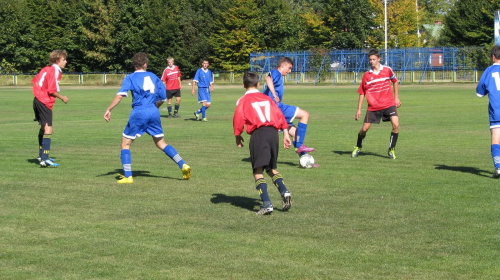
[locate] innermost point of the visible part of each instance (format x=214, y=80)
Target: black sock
x=394, y=140
x=359, y=144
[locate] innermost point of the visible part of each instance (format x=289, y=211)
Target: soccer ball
x=306, y=161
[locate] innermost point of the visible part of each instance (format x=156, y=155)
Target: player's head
x=374, y=57
x=170, y=61
x=495, y=52
x=250, y=80
x=58, y=57
x=285, y=65
x=205, y=64
x=140, y=61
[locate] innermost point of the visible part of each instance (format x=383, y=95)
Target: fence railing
x=334, y=77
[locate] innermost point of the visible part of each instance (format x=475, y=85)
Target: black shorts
x=384, y=114
x=43, y=115
x=173, y=92
x=264, y=146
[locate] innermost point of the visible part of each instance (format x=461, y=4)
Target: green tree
x=469, y=23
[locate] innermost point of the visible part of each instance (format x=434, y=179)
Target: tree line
x=103, y=35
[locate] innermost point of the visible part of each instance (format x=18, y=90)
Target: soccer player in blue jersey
x=204, y=79
x=148, y=93
x=489, y=84
x=274, y=88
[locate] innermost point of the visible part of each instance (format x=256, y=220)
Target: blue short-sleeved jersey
x=146, y=90
x=204, y=79
x=278, y=84
x=489, y=84
x=145, y=86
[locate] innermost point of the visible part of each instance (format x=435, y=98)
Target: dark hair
x=250, y=79
x=139, y=60
x=56, y=55
x=284, y=60
x=495, y=51
x=374, y=52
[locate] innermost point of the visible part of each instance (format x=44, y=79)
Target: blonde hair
x=57, y=55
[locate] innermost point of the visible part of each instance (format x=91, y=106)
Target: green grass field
x=433, y=213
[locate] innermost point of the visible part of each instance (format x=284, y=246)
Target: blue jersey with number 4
x=489, y=84
x=146, y=88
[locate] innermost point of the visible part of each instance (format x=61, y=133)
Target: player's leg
x=172, y=153
x=495, y=149
x=394, y=137
x=169, y=107
x=177, y=104
x=261, y=186
x=303, y=117
x=361, y=137
x=286, y=196
x=126, y=159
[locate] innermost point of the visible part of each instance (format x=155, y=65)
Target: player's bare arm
x=62, y=97
x=270, y=85
x=360, y=105
x=239, y=140
x=116, y=101
x=396, y=94
x=286, y=139
x=192, y=89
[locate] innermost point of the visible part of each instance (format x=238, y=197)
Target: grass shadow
x=135, y=174
x=279, y=162
x=361, y=154
x=464, y=169
x=238, y=201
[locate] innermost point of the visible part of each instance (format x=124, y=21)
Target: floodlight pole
x=385, y=27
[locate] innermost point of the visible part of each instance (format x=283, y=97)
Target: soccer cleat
x=176, y=115
x=169, y=116
x=48, y=163
x=356, y=151
x=392, y=153
x=186, y=171
x=303, y=149
x=197, y=116
x=125, y=180
x=265, y=210
x=315, y=165
x=287, y=200
x=205, y=120
x=496, y=174
x=40, y=159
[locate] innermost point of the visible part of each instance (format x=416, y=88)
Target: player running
x=148, y=92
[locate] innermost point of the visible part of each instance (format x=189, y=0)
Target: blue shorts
x=494, y=124
x=143, y=120
x=204, y=95
x=289, y=111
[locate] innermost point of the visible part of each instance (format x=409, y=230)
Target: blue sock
x=278, y=182
x=261, y=187
x=126, y=158
x=495, y=154
x=301, y=134
x=203, y=110
x=46, y=146
x=172, y=153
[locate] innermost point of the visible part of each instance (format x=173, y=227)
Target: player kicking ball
x=148, y=93
x=263, y=119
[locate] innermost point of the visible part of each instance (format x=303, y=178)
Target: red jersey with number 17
x=376, y=86
x=45, y=83
x=254, y=110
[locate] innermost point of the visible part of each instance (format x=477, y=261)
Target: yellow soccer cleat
x=186, y=172
x=125, y=180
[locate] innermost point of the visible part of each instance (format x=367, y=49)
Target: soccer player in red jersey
x=263, y=119
x=46, y=90
x=382, y=104
x=172, y=79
